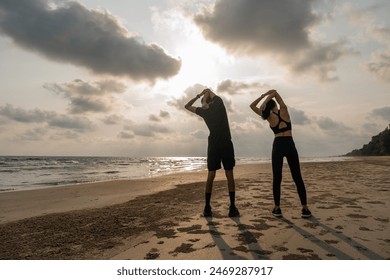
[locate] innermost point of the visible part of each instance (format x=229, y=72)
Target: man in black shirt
x=220, y=147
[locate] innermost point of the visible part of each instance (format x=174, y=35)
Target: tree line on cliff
x=378, y=146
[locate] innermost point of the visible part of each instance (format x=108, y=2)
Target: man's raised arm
x=189, y=104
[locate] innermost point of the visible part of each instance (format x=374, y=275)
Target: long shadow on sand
x=332, y=250
x=361, y=248
x=250, y=241
x=227, y=252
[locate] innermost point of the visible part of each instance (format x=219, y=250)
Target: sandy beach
x=160, y=218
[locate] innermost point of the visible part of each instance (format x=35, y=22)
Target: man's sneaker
x=277, y=212
x=233, y=212
x=207, y=211
x=306, y=213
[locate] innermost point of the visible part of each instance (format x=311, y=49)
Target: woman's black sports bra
x=276, y=128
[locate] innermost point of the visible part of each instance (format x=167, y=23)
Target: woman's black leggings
x=285, y=147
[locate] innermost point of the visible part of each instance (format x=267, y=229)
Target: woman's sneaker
x=277, y=212
x=306, y=213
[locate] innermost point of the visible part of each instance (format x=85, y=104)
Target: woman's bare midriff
x=284, y=134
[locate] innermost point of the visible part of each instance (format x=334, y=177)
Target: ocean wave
x=35, y=172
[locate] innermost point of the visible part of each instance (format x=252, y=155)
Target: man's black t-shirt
x=216, y=120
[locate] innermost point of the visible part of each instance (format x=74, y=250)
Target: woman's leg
x=293, y=162
x=277, y=167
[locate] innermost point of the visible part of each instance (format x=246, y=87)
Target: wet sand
x=160, y=218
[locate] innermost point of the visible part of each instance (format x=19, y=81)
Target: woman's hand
x=270, y=92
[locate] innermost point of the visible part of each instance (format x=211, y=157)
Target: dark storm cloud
x=237, y=87
x=253, y=26
x=276, y=28
x=52, y=119
x=88, y=96
x=94, y=39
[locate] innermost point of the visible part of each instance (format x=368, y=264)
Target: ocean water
x=33, y=172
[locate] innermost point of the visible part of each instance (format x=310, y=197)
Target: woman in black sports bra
x=283, y=146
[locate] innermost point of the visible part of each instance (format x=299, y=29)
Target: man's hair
x=208, y=101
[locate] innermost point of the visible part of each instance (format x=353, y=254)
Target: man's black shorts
x=224, y=153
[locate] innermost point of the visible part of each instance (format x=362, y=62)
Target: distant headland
x=378, y=146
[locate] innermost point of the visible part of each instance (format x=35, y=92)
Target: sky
x=111, y=78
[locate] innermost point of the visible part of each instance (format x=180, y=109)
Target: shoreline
x=48, y=174
x=160, y=218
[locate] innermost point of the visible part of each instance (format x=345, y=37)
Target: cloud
x=35, y=134
x=383, y=113
x=238, y=87
x=95, y=97
x=149, y=130
x=126, y=135
x=367, y=23
x=52, y=119
x=74, y=123
x=163, y=115
x=112, y=119
x=189, y=93
x=132, y=130
x=278, y=28
x=299, y=117
x=366, y=20
x=332, y=127
x=199, y=134
x=69, y=32
x=23, y=116
x=154, y=118
x=380, y=65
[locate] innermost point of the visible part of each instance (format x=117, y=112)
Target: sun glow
x=200, y=61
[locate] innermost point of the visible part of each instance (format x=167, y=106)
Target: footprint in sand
x=183, y=248
x=152, y=254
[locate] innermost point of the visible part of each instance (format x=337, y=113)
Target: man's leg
x=230, y=178
x=231, y=186
x=229, y=162
x=233, y=211
x=210, y=181
x=209, y=187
